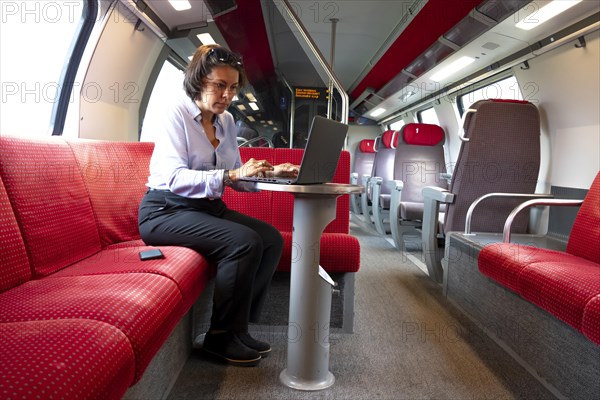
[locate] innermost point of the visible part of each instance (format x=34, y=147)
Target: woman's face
x=219, y=88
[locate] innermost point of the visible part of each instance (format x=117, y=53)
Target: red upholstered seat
x=145, y=307
x=50, y=202
x=185, y=267
x=590, y=324
x=114, y=174
x=340, y=252
x=15, y=265
x=504, y=262
x=64, y=359
x=563, y=288
x=80, y=315
x=566, y=284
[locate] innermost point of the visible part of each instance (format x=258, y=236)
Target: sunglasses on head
x=224, y=56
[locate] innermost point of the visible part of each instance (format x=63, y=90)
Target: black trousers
x=245, y=250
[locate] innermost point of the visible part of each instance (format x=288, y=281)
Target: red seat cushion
x=64, y=359
x=590, y=324
x=339, y=253
x=504, y=262
x=563, y=288
x=188, y=269
x=145, y=307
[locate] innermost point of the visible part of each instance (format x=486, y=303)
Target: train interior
x=413, y=322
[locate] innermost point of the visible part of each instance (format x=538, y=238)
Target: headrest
x=390, y=139
x=469, y=115
x=367, y=146
x=510, y=101
x=422, y=134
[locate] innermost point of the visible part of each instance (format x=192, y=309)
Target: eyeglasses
x=220, y=87
x=224, y=56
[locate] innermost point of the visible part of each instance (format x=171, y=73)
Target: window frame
x=58, y=116
x=421, y=111
x=481, y=85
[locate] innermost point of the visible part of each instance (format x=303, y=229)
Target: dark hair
x=205, y=59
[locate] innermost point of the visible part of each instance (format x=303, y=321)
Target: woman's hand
x=252, y=167
x=285, y=170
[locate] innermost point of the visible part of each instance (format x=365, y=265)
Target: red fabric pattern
x=422, y=134
x=590, y=324
x=114, y=174
x=367, y=146
x=188, y=269
x=64, y=359
x=145, y=307
x=562, y=288
x=14, y=264
x=584, y=240
x=339, y=253
x=504, y=262
x=50, y=202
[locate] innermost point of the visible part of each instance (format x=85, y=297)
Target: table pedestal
x=310, y=297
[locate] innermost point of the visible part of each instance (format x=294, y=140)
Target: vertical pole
x=330, y=86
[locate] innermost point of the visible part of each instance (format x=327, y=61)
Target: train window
x=428, y=116
x=505, y=89
x=169, y=85
x=397, y=125
x=38, y=41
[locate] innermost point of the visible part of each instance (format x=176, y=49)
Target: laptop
x=321, y=154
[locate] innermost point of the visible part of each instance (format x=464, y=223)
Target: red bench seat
x=80, y=315
x=565, y=284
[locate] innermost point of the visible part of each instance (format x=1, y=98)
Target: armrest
x=437, y=194
x=364, y=179
x=394, y=186
x=530, y=203
x=375, y=183
x=504, y=195
x=432, y=197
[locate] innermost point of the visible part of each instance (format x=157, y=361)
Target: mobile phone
x=152, y=254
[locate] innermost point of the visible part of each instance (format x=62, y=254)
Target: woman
x=194, y=159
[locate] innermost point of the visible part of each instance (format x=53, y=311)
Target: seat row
x=411, y=185
x=81, y=316
x=537, y=295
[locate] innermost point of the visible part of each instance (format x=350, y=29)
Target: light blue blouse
x=185, y=162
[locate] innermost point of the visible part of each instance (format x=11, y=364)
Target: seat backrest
x=50, y=202
x=364, y=157
x=14, y=264
x=383, y=163
x=115, y=176
x=277, y=208
x=500, y=152
x=419, y=160
x=584, y=240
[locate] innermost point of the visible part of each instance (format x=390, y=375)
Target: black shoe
x=262, y=348
x=229, y=348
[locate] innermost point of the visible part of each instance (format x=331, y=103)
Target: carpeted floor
x=409, y=343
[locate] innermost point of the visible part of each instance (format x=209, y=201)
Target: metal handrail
x=256, y=139
x=317, y=53
x=534, y=202
x=505, y=195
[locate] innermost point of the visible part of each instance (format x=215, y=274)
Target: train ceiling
x=381, y=46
